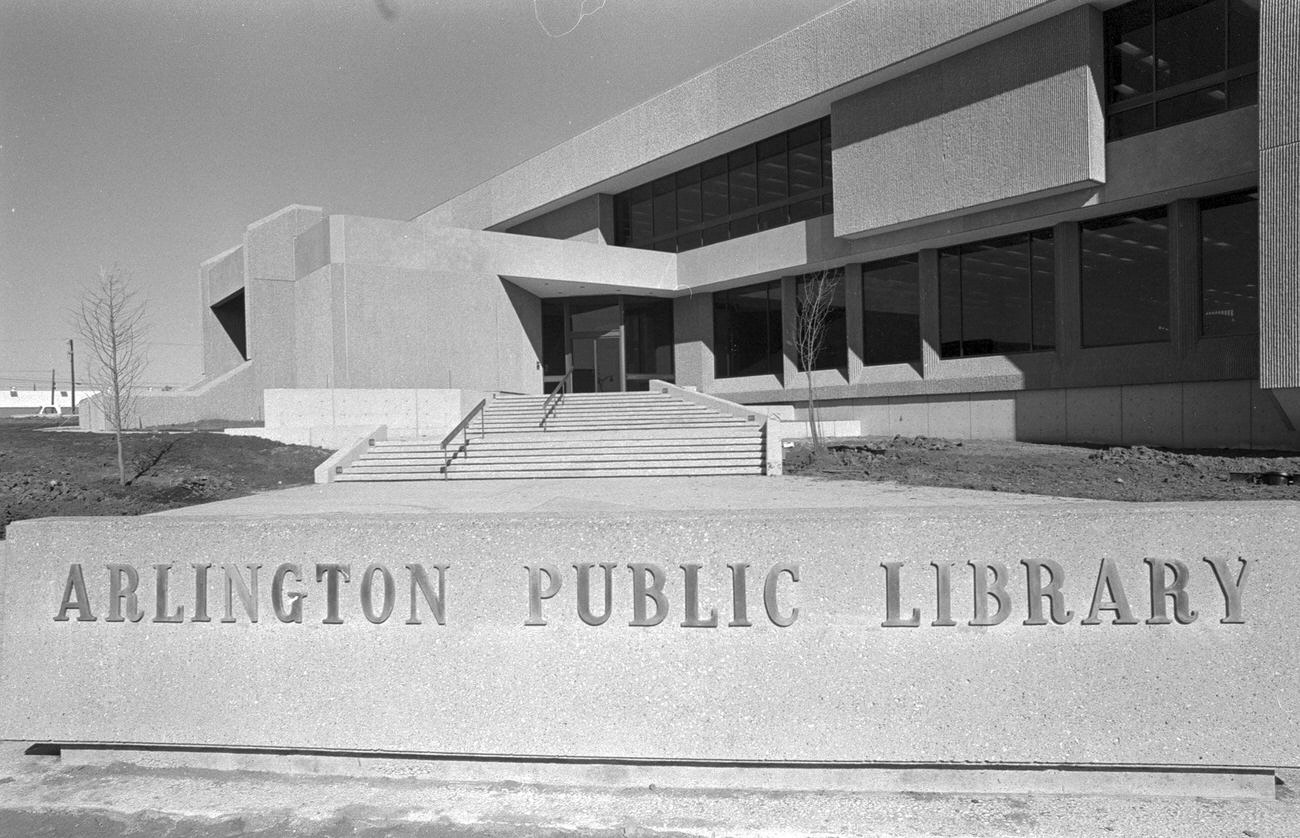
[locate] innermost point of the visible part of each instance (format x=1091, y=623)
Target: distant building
x=1055, y=221
x=27, y=401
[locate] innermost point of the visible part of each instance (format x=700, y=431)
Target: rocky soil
x=46, y=471
x=1109, y=473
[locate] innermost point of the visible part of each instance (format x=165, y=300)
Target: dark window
x=665, y=206
x=1230, y=265
x=779, y=180
x=1124, y=293
x=747, y=331
x=553, y=347
x=1170, y=61
x=891, y=306
x=648, y=337
x=832, y=348
x=688, y=198
x=998, y=296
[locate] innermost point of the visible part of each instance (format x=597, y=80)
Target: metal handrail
x=553, y=400
x=461, y=428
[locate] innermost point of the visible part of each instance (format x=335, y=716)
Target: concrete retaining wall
x=230, y=397
x=407, y=413
x=1211, y=414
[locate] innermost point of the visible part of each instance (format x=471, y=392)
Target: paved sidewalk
x=610, y=494
x=39, y=796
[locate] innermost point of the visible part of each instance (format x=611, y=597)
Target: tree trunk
x=812, y=416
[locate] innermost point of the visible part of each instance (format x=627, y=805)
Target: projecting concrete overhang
x=785, y=82
x=545, y=267
x=1015, y=119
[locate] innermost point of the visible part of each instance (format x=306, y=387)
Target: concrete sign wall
x=1151, y=636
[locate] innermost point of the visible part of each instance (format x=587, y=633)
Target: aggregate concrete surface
x=41, y=796
x=609, y=494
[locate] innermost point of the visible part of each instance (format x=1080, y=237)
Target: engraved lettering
x=367, y=594
x=693, y=620
x=739, y=600
x=162, y=573
x=943, y=594
x=436, y=603
x=641, y=591
x=769, y=593
x=293, y=614
x=536, y=593
x=331, y=573
x=1109, y=584
x=120, y=592
x=892, y=597
x=247, y=592
x=584, y=592
x=75, y=597
x=986, y=588
x=200, y=594
x=1162, y=588
x=1231, y=590
x=1051, y=592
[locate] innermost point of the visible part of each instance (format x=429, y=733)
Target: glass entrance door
x=609, y=343
x=597, y=363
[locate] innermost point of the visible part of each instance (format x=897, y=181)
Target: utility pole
x=72, y=373
x=52, y=402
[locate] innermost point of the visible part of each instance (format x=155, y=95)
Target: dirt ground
x=1107, y=473
x=46, y=472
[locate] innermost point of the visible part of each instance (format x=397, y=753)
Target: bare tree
x=111, y=318
x=814, y=295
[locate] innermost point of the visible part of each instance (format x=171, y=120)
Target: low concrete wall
x=319, y=436
x=1205, y=414
x=408, y=413
x=229, y=397
x=331, y=468
x=838, y=641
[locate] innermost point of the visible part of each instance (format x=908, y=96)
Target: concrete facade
x=951, y=124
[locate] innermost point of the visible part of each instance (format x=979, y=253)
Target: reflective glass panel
x=747, y=331
x=891, y=324
x=648, y=335
x=832, y=351
x=1125, y=279
x=1230, y=265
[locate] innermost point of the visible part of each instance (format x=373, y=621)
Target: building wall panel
x=923, y=145
x=724, y=107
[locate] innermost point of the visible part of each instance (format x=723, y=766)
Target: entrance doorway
x=610, y=344
x=597, y=363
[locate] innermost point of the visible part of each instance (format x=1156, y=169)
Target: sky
x=149, y=133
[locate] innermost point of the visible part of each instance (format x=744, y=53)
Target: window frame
x=736, y=221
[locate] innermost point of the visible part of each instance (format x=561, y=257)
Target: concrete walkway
x=609, y=494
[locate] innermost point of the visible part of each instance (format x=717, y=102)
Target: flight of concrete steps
x=587, y=435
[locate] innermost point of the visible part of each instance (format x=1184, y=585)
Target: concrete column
x=1069, y=322
x=1279, y=199
x=853, y=320
x=693, y=341
x=1184, y=276
x=270, y=270
x=928, y=276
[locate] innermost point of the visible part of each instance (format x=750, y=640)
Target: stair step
x=550, y=462
x=526, y=449
x=534, y=435
x=527, y=475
